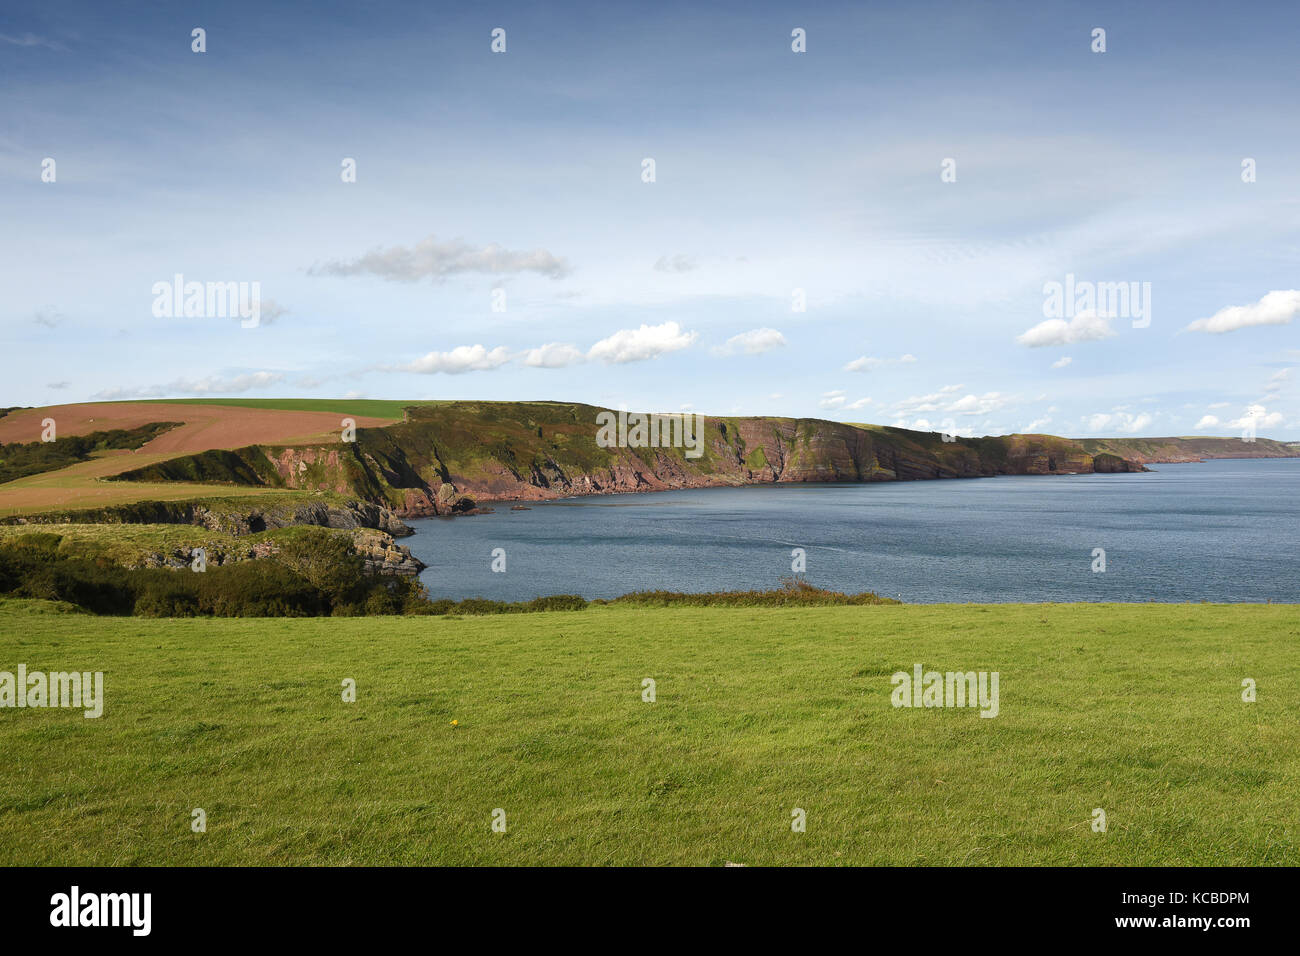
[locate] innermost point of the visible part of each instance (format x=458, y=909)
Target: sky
x=868, y=230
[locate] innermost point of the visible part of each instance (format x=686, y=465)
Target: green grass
x=375, y=407
x=131, y=544
x=1132, y=708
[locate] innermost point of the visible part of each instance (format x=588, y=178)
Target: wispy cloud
x=837, y=401
x=1123, y=423
x=920, y=404
x=867, y=363
x=431, y=259
x=677, y=263
x=753, y=342
x=31, y=40
x=211, y=385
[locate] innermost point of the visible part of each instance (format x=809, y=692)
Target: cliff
x=445, y=458
x=1191, y=448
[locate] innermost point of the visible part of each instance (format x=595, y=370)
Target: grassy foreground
x=1136, y=709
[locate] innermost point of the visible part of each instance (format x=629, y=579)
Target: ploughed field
x=1136, y=710
x=200, y=426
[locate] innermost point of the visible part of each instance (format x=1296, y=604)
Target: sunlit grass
x=1135, y=709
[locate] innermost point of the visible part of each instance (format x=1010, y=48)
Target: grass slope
x=1133, y=708
x=20, y=460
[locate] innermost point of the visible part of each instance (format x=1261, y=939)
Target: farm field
x=79, y=486
x=372, y=407
x=205, y=425
x=1135, y=709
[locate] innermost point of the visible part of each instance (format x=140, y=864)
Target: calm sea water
x=1214, y=531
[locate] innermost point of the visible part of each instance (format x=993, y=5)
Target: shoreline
x=492, y=500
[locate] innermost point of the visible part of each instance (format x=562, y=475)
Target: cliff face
x=1192, y=448
x=445, y=458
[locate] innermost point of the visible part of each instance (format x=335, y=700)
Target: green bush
x=316, y=573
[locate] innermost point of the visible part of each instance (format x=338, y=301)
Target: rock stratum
x=447, y=458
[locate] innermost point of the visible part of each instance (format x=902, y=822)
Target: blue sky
x=774, y=171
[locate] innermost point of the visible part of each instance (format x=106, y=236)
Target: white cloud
x=868, y=363
x=925, y=403
x=1036, y=424
x=1276, y=308
x=753, y=342
x=627, y=345
x=463, y=358
x=1121, y=423
x=979, y=404
x=647, y=342
x=1087, y=326
x=553, y=355
x=1062, y=362
x=1257, y=417
x=1207, y=421
x=837, y=400
x=430, y=259
x=925, y=425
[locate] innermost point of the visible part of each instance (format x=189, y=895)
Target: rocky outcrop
x=231, y=518
x=1112, y=464
x=379, y=554
x=382, y=555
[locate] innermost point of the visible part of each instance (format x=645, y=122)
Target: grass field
x=130, y=544
x=1136, y=709
x=79, y=487
x=205, y=424
x=374, y=407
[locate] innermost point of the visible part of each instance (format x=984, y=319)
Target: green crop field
x=376, y=407
x=1133, y=709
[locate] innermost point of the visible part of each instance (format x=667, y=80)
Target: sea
x=1220, y=531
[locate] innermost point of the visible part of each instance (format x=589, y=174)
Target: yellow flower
x=455, y=723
